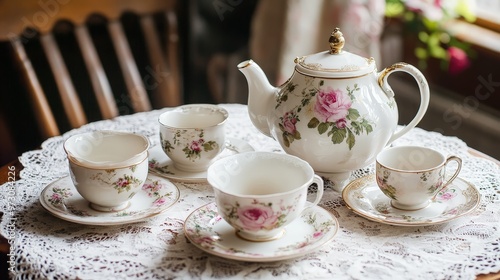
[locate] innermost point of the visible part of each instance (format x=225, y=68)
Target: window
x=484, y=33
x=488, y=10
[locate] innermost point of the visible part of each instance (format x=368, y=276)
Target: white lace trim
x=46, y=247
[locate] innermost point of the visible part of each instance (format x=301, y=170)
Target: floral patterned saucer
x=365, y=198
x=209, y=232
x=162, y=165
x=62, y=200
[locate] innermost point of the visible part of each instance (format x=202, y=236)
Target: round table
x=46, y=247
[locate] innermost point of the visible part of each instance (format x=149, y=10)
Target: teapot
x=336, y=111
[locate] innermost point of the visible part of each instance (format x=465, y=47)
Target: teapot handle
x=422, y=85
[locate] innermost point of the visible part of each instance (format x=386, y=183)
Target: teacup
x=107, y=167
x=259, y=193
x=412, y=176
x=193, y=135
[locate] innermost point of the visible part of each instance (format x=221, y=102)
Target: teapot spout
x=260, y=95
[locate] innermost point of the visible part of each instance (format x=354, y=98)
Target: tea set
x=334, y=115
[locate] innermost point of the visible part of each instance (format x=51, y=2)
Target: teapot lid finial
x=335, y=62
x=336, y=41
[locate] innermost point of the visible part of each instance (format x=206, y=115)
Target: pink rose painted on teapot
x=289, y=121
x=332, y=105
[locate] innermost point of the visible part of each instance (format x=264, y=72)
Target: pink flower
x=254, y=217
x=458, y=60
x=149, y=188
x=159, y=201
x=446, y=196
x=342, y=123
x=289, y=122
x=205, y=240
x=317, y=234
x=152, y=189
x=56, y=196
x=195, y=146
x=332, y=105
x=122, y=182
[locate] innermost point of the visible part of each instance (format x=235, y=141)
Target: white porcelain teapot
x=336, y=111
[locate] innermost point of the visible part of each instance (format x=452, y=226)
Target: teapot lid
x=335, y=63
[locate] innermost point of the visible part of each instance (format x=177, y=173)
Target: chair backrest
x=156, y=84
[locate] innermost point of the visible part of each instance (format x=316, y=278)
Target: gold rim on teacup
x=76, y=162
x=212, y=107
x=77, y=148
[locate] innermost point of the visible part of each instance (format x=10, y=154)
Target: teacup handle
x=459, y=161
x=319, y=193
x=459, y=167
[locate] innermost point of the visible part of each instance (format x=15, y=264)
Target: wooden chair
x=155, y=86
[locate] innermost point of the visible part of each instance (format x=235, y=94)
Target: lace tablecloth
x=45, y=247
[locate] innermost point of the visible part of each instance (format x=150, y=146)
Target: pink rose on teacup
x=332, y=105
x=122, y=183
x=196, y=145
x=255, y=217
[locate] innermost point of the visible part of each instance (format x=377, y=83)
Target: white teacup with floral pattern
x=412, y=176
x=259, y=193
x=107, y=167
x=193, y=135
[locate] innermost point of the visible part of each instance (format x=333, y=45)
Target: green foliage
x=430, y=27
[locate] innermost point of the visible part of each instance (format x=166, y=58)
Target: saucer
x=364, y=197
x=62, y=200
x=212, y=234
x=161, y=164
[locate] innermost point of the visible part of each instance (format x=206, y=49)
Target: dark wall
x=215, y=28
